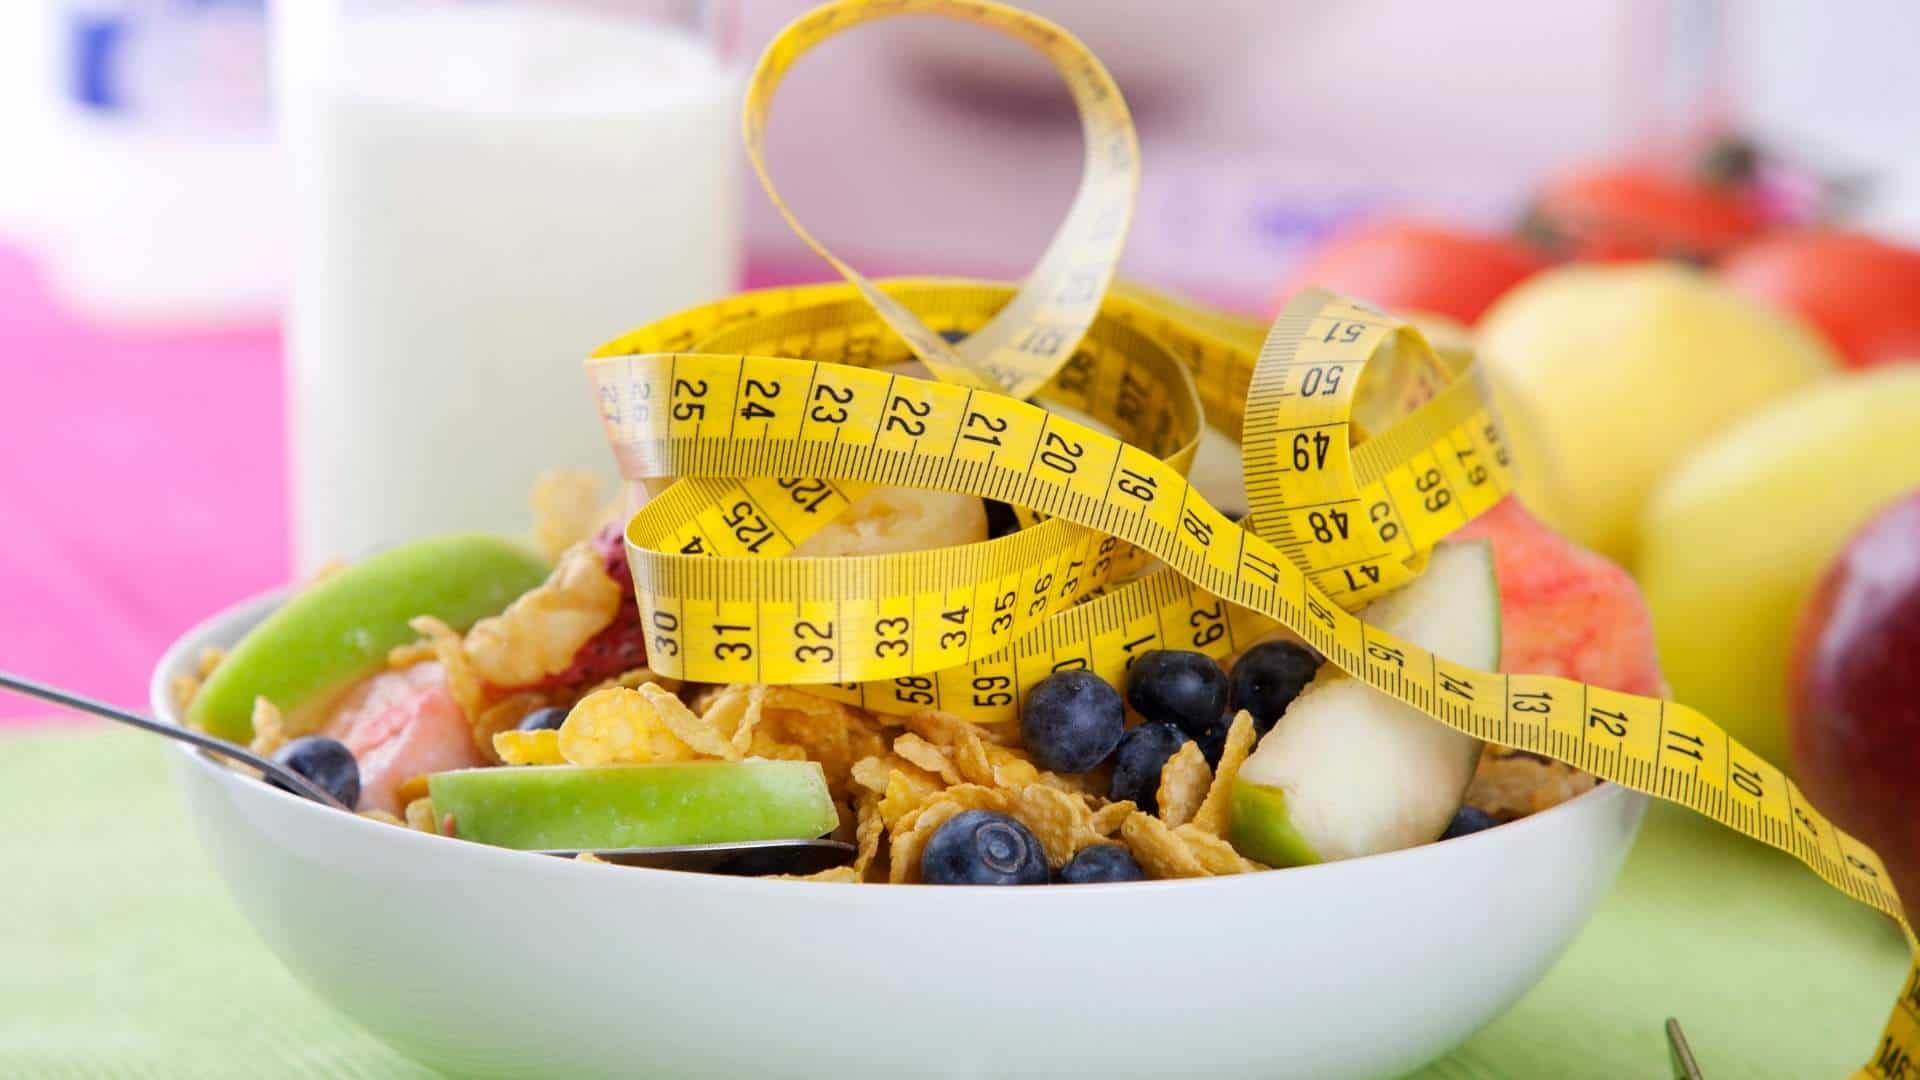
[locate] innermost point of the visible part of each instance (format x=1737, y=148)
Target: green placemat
x=121, y=955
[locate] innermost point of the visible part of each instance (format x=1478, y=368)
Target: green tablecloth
x=121, y=955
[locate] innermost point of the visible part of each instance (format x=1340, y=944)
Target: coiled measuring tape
x=777, y=410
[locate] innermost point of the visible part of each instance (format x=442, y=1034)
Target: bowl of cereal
x=486, y=702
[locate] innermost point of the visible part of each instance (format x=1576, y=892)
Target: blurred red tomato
x=1862, y=293
x=1635, y=212
x=1406, y=266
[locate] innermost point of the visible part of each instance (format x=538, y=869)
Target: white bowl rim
x=1594, y=801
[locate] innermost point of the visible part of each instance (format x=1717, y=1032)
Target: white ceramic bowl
x=482, y=961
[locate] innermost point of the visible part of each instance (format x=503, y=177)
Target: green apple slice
x=325, y=637
x=572, y=808
x=1349, y=771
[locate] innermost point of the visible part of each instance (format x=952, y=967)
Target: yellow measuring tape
x=778, y=410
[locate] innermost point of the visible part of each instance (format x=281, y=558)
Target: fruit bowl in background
x=489, y=962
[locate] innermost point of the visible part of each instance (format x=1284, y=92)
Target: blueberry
x=326, y=762
x=1213, y=741
x=1101, y=862
x=980, y=847
x=1267, y=679
x=1072, y=720
x=1137, y=764
x=1001, y=520
x=548, y=719
x=1468, y=820
x=1184, y=688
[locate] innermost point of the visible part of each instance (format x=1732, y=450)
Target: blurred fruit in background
x=1862, y=293
x=1608, y=375
x=1855, y=721
x=1405, y=265
x=1734, y=538
x=1642, y=210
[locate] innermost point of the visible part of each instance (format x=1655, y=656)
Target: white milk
x=483, y=194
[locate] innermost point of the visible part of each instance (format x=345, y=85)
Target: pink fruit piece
x=610, y=543
x=1565, y=610
x=399, y=725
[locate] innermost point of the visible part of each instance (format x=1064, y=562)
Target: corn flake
x=181, y=690
x=539, y=633
x=932, y=759
x=871, y=772
x=1107, y=820
x=945, y=729
x=1216, y=808
x=618, y=726
x=515, y=747
x=270, y=730
x=1060, y=821
x=462, y=682
x=1158, y=851
x=1184, y=780
x=908, y=788
x=738, y=710
x=405, y=656
x=208, y=659
x=697, y=732
x=1213, y=853
x=864, y=737
x=867, y=831
x=419, y=816
x=772, y=749
x=414, y=787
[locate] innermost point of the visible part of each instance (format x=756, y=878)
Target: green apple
x=327, y=636
x=1734, y=540
x=1609, y=375
x=1349, y=771
x=570, y=808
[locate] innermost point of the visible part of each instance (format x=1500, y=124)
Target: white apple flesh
x=1349, y=771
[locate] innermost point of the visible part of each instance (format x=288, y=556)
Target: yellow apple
x=1608, y=375
x=1735, y=538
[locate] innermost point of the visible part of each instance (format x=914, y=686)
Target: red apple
x=1854, y=729
x=1862, y=293
x=1410, y=266
x=1627, y=212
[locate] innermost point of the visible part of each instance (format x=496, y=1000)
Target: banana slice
x=893, y=519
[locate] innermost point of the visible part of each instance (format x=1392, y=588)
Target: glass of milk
x=483, y=192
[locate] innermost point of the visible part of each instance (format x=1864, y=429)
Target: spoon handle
x=218, y=747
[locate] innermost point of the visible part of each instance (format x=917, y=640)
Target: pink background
x=143, y=487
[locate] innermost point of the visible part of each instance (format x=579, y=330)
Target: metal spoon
x=218, y=747
x=741, y=857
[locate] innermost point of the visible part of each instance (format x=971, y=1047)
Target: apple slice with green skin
x=325, y=637
x=574, y=808
x=1349, y=771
